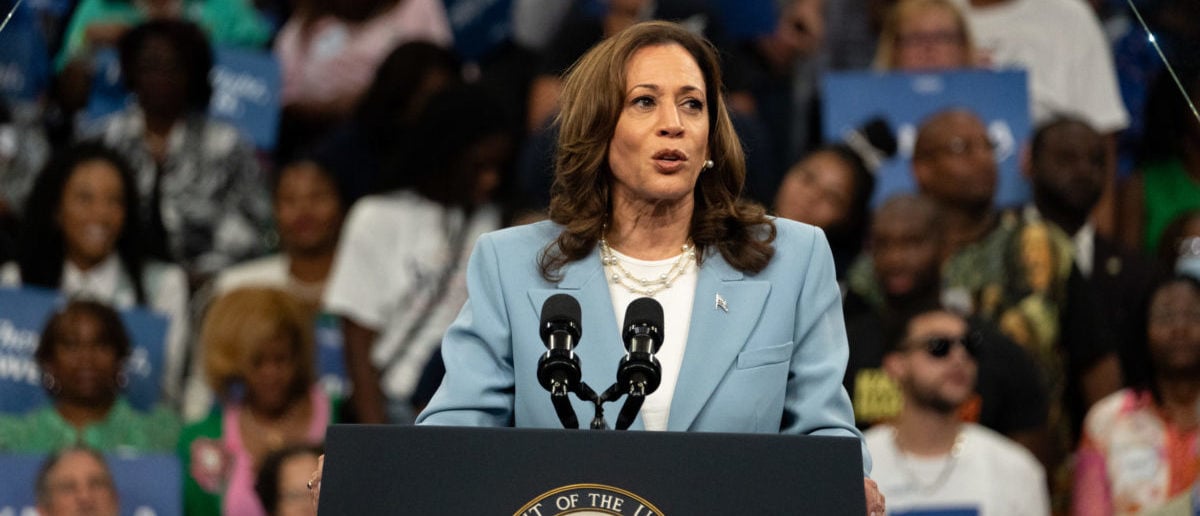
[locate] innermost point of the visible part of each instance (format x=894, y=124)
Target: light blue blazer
x=771, y=363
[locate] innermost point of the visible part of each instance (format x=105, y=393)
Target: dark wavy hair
x=188, y=40
x=391, y=104
x=432, y=160
x=580, y=198
x=42, y=248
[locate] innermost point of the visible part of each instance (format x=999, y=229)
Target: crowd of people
x=1039, y=358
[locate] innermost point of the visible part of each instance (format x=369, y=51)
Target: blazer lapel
x=717, y=333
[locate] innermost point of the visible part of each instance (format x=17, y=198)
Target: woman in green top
x=81, y=352
x=1168, y=184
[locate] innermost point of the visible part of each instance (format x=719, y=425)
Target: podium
x=427, y=470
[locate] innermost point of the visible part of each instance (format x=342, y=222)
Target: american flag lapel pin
x=721, y=305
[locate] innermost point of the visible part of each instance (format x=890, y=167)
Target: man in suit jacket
x=1067, y=168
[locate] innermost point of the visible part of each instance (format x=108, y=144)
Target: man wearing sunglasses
x=927, y=460
x=901, y=279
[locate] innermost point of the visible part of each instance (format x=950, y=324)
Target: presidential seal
x=588, y=500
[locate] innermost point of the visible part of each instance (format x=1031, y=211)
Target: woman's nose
x=670, y=124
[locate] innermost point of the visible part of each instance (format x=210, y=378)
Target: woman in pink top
x=1140, y=445
x=328, y=51
x=259, y=357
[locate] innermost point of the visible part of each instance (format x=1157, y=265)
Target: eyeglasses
x=939, y=346
x=958, y=146
x=941, y=37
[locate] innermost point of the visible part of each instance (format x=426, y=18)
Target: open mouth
x=669, y=155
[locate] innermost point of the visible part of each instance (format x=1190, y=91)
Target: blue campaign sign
x=1001, y=99
x=479, y=25
x=147, y=485
x=24, y=60
x=246, y=86
x=23, y=313
x=108, y=93
x=331, y=362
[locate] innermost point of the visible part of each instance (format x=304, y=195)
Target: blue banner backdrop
x=1001, y=99
x=23, y=313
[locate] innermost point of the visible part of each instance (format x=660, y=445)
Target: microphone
x=558, y=369
x=639, y=373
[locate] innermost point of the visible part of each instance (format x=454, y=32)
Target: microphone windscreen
x=561, y=311
x=642, y=312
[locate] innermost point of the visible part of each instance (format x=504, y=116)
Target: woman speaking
x=646, y=202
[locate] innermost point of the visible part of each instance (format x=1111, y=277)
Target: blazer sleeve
x=478, y=388
x=816, y=401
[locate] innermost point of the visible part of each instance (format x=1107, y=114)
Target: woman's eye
x=694, y=104
x=643, y=102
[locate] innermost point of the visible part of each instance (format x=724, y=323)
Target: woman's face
x=818, y=190
x=930, y=39
x=271, y=375
x=92, y=212
x=660, y=143
x=308, y=210
x=1174, y=330
x=83, y=364
x=161, y=80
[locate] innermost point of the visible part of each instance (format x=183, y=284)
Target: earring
x=50, y=383
x=708, y=164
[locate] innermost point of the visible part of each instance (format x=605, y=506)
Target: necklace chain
x=942, y=476
x=646, y=286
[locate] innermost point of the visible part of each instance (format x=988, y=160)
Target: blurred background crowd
x=1046, y=351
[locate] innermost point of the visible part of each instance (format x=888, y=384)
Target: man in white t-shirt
x=927, y=461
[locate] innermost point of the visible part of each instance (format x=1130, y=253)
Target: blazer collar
x=717, y=333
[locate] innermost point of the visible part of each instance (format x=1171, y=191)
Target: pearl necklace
x=942, y=476
x=646, y=286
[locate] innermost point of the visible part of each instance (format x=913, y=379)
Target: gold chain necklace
x=646, y=286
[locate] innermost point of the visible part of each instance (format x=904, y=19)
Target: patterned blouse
x=1131, y=459
x=213, y=203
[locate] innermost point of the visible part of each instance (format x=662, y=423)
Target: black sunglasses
x=939, y=346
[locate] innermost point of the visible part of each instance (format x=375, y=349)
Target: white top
x=677, y=319
x=1061, y=44
x=992, y=476
x=268, y=271
x=391, y=258
x=166, y=293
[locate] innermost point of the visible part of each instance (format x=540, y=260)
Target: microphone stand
x=566, y=414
